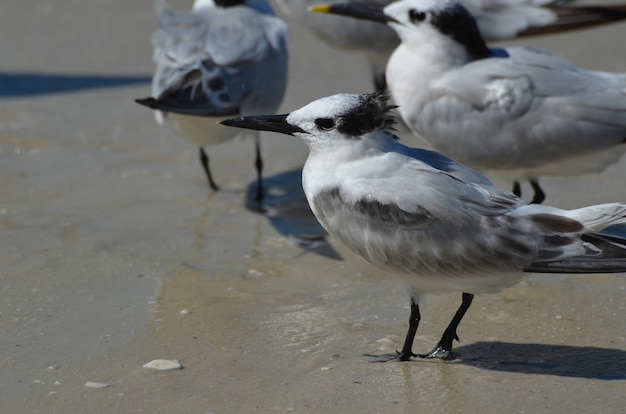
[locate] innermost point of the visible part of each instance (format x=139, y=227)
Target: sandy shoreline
x=108, y=232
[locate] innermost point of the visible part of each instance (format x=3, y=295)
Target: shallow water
x=109, y=231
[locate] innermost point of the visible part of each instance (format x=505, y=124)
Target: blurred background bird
x=224, y=58
x=518, y=111
x=497, y=19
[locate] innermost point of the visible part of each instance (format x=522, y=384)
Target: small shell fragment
x=92, y=384
x=164, y=364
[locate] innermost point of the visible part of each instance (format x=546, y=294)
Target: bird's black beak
x=274, y=123
x=373, y=12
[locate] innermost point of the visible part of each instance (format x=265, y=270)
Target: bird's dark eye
x=416, y=16
x=325, y=123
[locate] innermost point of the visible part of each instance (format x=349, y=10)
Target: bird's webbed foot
x=438, y=352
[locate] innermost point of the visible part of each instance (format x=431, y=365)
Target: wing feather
x=543, y=108
x=204, y=59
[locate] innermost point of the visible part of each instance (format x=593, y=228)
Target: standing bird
x=418, y=213
x=497, y=19
x=516, y=110
x=225, y=57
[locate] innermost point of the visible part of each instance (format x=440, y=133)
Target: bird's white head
x=329, y=122
x=441, y=24
x=400, y=10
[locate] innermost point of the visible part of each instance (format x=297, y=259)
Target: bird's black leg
x=517, y=189
x=444, y=347
x=380, y=82
x=539, y=194
x=258, y=163
x=204, y=160
x=414, y=321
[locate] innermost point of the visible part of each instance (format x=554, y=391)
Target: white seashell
x=92, y=384
x=164, y=364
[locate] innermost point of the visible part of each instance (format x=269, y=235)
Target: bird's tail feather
x=172, y=104
x=600, y=216
x=579, y=17
x=606, y=254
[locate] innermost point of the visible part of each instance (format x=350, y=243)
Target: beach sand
x=115, y=253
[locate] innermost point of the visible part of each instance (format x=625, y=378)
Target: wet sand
x=108, y=232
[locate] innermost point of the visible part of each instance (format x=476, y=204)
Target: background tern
x=418, y=213
x=225, y=57
x=518, y=110
x=497, y=19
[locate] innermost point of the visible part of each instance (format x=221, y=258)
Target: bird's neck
x=412, y=68
x=327, y=168
x=414, y=65
x=442, y=53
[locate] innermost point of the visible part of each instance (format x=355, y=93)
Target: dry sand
x=108, y=232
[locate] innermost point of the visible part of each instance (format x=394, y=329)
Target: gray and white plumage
x=420, y=214
x=520, y=111
x=497, y=19
x=225, y=57
x=364, y=38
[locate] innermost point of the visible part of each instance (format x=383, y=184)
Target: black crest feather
x=373, y=112
x=229, y=3
x=459, y=24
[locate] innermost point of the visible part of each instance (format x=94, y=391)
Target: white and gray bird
x=420, y=214
x=225, y=57
x=497, y=19
x=519, y=111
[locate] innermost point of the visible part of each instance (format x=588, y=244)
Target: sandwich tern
x=225, y=57
x=420, y=214
x=497, y=19
x=518, y=110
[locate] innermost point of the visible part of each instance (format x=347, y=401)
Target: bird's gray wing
x=603, y=254
x=530, y=107
x=437, y=224
x=527, y=78
x=204, y=58
x=420, y=219
x=503, y=19
x=571, y=239
x=577, y=17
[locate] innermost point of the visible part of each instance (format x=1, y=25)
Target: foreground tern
x=519, y=110
x=497, y=19
x=225, y=57
x=415, y=212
